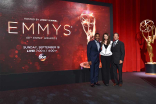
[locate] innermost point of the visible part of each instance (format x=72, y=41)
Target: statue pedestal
x=150, y=68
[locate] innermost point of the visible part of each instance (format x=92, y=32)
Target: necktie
x=114, y=43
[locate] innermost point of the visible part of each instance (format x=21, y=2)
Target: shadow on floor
x=150, y=80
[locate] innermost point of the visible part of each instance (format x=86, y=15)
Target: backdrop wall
x=127, y=15
x=48, y=35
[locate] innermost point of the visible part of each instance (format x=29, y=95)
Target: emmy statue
x=147, y=26
x=88, y=23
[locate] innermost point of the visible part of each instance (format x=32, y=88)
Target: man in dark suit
x=118, y=51
x=93, y=50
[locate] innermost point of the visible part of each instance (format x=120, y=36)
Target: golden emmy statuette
x=147, y=27
x=88, y=23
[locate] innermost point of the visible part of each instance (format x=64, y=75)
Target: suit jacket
x=92, y=51
x=118, y=52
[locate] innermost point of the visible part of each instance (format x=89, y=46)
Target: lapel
x=116, y=43
x=104, y=46
x=100, y=46
x=96, y=45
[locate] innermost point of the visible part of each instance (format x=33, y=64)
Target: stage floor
x=138, y=88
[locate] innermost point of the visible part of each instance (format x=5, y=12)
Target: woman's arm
x=154, y=37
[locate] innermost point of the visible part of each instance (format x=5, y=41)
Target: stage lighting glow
x=142, y=74
x=6, y=3
x=31, y=3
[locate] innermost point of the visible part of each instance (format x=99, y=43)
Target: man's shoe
x=114, y=84
x=97, y=84
x=92, y=85
x=106, y=84
x=120, y=85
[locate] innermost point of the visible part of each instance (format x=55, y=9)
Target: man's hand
x=90, y=63
x=120, y=62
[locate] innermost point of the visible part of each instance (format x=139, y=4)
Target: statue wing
x=154, y=37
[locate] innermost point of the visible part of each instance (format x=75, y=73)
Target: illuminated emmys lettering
x=67, y=30
x=32, y=26
x=56, y=29
x=9, y=27
x=47, y=26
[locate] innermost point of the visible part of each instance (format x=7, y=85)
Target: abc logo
x=42, y=57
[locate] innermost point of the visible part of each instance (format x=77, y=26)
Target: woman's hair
x=103, y=40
